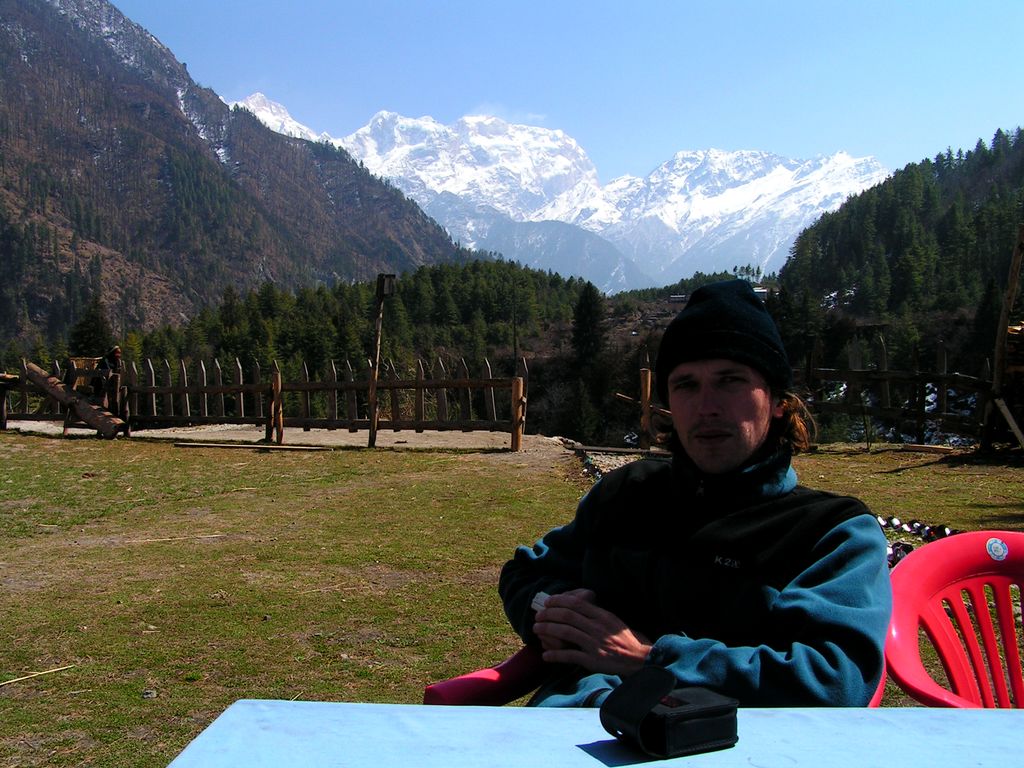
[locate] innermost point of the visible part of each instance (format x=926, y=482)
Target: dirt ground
x=549, y=451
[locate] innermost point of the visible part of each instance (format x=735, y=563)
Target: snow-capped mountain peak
x=277, y=118
x=515, y=169
x=532, y=194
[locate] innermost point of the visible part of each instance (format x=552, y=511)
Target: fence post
x=305, y=398
x=150, y=376
x=518, y=413
x=465, y=397
x=420, y=410
x=239, y=377
x=489, y=405
x=524, y=372
x=277, y=408
x=269, y=395
x=351, y=402
x=645, y=408
x=57, y=373
x=204, y=403
x=132, y=373
x=442, y=393
x=168, y=395
x=186, y=408
x=218, y=380
x=332, y=393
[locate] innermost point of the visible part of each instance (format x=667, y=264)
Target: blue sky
x=633, y=81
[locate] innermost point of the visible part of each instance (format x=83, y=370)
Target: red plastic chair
x=876, y=699
x=513, y=678
x=964, y=592
x=517, y=676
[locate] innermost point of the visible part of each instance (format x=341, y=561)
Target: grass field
x=176, y=581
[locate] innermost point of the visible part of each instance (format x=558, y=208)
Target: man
x=715, y=565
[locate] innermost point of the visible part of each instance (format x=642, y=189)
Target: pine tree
x=588, y=332
x=91, y=336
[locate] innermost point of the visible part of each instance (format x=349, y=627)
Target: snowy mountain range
x=532, y=195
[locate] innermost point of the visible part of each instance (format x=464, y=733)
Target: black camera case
x=648, y=711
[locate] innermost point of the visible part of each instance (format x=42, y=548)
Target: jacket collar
x=765, y=476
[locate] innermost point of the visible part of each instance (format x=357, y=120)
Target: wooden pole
x=239, y=377
x=489, y=406
x=277, y=409
x=374, y=369
x=465, y=395
x=168, y=396
x=442, y=393
x=518, y=413
x=186, y=408
x=645, y=408
x=151, y=382
x=419, y=405
x=218, y=380
x=204, y=400
x=332, y=393
x=999, y=354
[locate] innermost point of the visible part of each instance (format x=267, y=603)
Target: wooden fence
x=161, y=396
x=913, y=402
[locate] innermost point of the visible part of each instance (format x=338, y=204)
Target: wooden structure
x=158, y=397
x=92, y=413
x=1008, y=358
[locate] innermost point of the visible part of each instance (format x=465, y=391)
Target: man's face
x=721, y=411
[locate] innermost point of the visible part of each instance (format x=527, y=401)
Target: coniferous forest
x=920, y=258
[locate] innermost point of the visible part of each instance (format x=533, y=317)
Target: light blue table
x=251, y=733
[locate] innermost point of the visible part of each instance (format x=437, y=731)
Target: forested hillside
x=122, y=178
x=921, y=257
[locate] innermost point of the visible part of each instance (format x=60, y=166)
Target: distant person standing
x=107, y=384
x=715, y=565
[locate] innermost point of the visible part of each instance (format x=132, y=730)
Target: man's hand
x=573, y=629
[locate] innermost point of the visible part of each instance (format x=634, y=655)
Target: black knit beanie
x=724, y=320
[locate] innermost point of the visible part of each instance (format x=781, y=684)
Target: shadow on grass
x=956, y=460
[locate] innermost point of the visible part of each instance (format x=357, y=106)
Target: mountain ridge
x=702, y=210
x=124, y=177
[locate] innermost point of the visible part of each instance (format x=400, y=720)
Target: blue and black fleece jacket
x=748, y=583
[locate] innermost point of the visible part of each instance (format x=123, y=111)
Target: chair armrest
x=517, y=676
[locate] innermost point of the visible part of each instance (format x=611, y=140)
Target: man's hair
x=795, y=428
